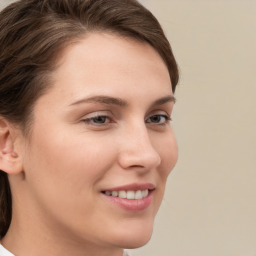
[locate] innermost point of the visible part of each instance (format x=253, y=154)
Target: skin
x=71, y=156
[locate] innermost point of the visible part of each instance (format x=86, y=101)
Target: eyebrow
x=120, y=102
x=161, y=101
x=102, y=99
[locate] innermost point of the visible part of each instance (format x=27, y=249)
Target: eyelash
x=167, y=119
x=102, y=119
x=91, y=119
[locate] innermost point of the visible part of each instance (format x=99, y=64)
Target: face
x=101, y=145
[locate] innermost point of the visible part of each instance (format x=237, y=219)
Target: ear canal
x=10, y=160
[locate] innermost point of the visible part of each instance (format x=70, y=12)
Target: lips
x=134, y=187
x=132, y=197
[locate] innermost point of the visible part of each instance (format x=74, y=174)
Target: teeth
x=130, y=195
x=122, y=194
x=139, y=194
x=108, y=193
x=144, y=193
x=114, y=193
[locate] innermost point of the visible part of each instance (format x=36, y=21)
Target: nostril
x=136, y=166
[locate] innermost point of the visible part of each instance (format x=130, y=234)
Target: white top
x=4, y=252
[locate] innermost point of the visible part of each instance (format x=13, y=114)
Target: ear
x=10, y=160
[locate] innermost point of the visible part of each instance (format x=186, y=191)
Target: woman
x=86, y=146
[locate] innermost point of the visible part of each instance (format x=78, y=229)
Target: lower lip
x=131, y=204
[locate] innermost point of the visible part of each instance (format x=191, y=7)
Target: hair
x=32, y=35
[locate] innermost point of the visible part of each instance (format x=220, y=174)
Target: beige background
x=210, y=203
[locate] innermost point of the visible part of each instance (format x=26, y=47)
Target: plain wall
x=209, y=206
x=210, y=202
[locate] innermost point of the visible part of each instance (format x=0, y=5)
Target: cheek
x=168, y=151
x=64, y=172
x=67, y=164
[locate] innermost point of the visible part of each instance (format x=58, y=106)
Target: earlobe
x=10, y=161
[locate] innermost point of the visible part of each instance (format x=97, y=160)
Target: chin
x=137, y=242
x=135, y=237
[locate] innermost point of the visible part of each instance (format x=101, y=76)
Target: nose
x=137, y=151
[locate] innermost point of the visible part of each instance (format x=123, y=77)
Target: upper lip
x=133, y=187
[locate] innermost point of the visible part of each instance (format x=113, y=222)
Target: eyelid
x=88, y=118
x=96, y=113
x=165, y=116
x=159, y=112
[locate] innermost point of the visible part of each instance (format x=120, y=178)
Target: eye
x=97, y=120
x=158, y=119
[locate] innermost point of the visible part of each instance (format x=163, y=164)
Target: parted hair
x=32, y=35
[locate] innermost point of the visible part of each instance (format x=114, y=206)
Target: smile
x=132, y=195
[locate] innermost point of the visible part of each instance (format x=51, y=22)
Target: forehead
x=101, y=51
x=101, y=48
x=109, y=64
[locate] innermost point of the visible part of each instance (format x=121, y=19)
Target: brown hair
x=32, y=35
